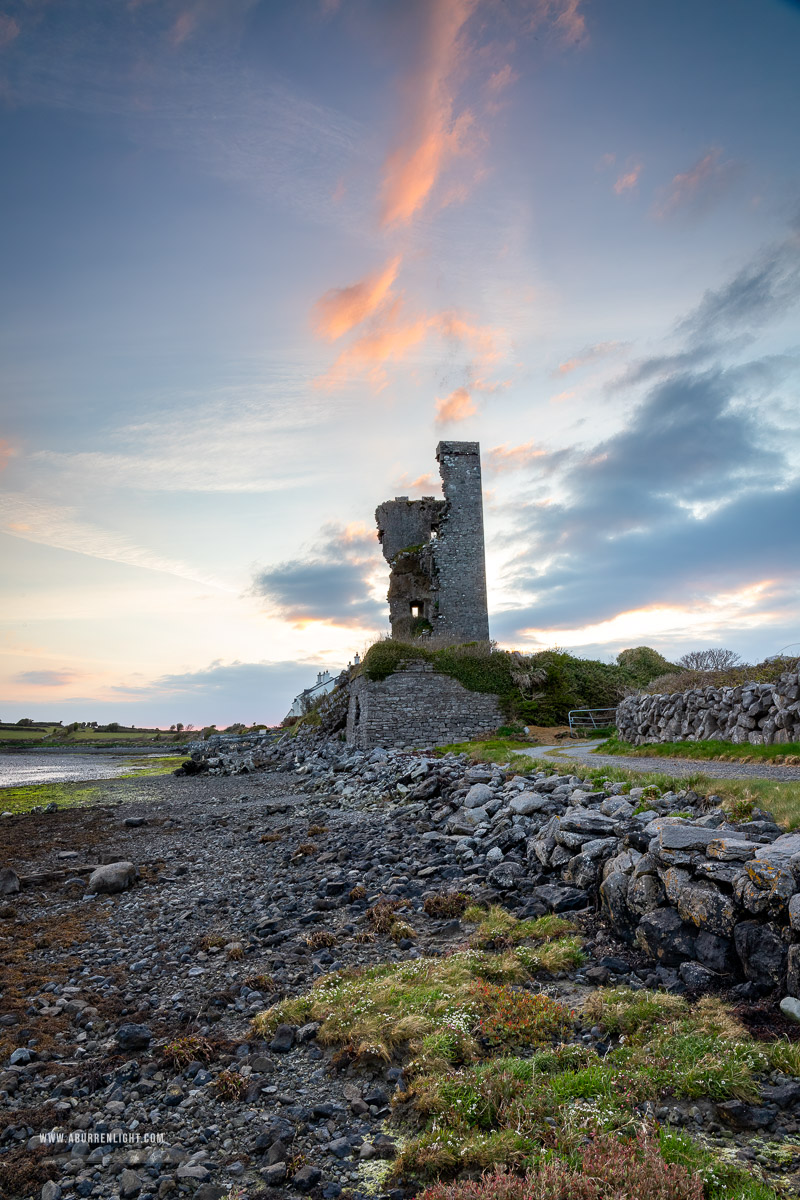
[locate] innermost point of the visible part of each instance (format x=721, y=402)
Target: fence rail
x=591, y=718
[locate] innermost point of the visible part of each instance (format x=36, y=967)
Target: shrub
x=612, y=1168
x=447, y=904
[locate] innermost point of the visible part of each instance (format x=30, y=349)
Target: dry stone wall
x=758, y=713
x=417, y=706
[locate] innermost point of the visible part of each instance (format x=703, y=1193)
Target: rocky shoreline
x=129, y=1065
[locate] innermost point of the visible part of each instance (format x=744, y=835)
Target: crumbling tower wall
x=436, y=552
x=459, y=552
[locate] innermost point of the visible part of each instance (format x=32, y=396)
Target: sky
x=260, y=256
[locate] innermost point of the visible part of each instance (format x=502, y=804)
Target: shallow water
x=25, y=767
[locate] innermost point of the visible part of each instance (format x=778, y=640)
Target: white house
x=302, y=703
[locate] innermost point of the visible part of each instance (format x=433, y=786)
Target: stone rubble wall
x=758, y=713
x=712, y=903
x=417, y=706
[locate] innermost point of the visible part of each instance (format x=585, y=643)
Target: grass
x=431, y=1009
x=65, y=795
x=76, y=794
x=497, y=1078
x=492, y=750
x=708, y=749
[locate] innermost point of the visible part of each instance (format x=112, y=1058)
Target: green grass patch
x=435, y=1011
x=65, y=795
x=493, y=750
x=705, y=750
x=153, y=765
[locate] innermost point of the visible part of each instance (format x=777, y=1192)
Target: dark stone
x=306, y=1178
x=134, y=1037
x=663, y=935
x=715, y=952
x=505, y=876
x=277, y=1153
x=697, y=977
x=785, y=1095
x=340, y=1147
x=761, y=950
x=274, y=1174
x=745, y=1116
x=561, y=899
x=376, y=1096
x=614, y=904
x=283, y=1040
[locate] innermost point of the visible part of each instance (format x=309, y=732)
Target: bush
x=555, y=681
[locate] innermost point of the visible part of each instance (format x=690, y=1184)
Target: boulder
x=561, y=899
x=793, y=971
x=530, y=802
x=684, y=836
x=478, y=796
x=765, y=886
x=794, y=912
x=114, y=877
x=9, y=882
x=716, y=953
x=505, y=876
x=697, y=977
x=580, y=820
x=614, y=902
x=790, y=1007
x=706, y=907
x=761, y=951
x=645, y=893
x=664, y=936
x=732, y=849
x=580, y=870
x=133, y=1037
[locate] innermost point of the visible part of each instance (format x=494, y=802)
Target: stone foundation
x=417, y=706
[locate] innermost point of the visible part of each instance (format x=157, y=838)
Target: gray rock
x=274, y=1174
x=706, y=907
x=731, y=849
x=193, y=1171
x=114, y=877
x=765, y=886
x=794, y=912
x=697, y=977
x=581, y=870
x=561, y=899
x=580, y=820
x=9, y=882
x=306, y=1178
x=790, y=1007
x=129, y=1183
x=614, y=901
x=761, y=951
x=530, y=802
x=645, y=893
x=664, y=936
x=478, y=796
x=133, y=1037
x=283, y=1039
x=505, y=876
x=20, y=1057
x=684, y=836
x=50, y=1191
x=716, y=953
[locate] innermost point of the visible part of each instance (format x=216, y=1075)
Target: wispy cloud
x=628, y=179
x=434, y=133
x=9, y=30
x=341, y=309
x=63, y=529
x=502, y=459
x=694, y=191
x=7, y=452
x=47, y=679
x=589, y=354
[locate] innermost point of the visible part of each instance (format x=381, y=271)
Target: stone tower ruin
x=435, y=549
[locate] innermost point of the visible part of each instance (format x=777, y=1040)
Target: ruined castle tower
x=435, y=549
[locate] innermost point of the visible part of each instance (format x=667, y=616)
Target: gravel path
x=583, y=752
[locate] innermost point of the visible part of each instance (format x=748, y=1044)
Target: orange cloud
x=340, y=309
x=390, y=340
x=455, y=407
x=183, y=26
x=589, y=354
x=423, y=483
x=628, y=180
x=7, y=452
x=9, y=30
x=434, y=134
x=511, y=458
x=703, y=182
x=561, y=397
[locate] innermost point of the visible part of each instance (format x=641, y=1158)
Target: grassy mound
x=537, y=689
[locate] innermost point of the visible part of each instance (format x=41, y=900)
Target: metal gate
x=591, y=718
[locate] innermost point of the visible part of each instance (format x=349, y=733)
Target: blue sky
x=259, y=257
